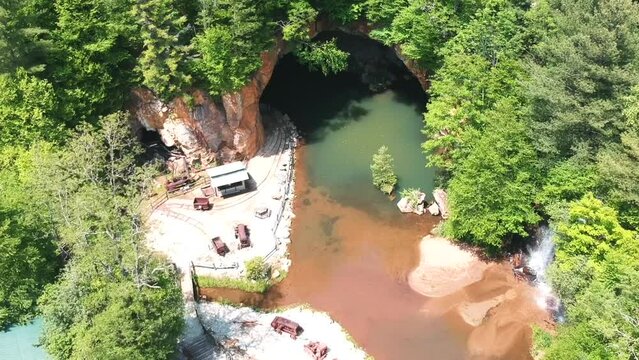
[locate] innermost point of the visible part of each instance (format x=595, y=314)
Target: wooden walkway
x=198, y=344
x=199, y=348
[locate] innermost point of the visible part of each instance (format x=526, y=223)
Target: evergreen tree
x=92, y=67
x=23, y=40
x=234, y=34
x=580, y=74
x=384, y=177
x=162, y=62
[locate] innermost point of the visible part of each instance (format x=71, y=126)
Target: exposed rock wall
x=420, y=74
x=205, y=129
x=208, y=130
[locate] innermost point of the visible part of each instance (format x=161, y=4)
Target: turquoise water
x=20, y=342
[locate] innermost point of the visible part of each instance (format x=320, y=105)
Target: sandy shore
x=444, y=268
x=246, y=334
x=485, y=296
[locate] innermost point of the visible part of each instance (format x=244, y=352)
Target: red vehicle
x=316, y=350
x=201, y=203
x=242, y=234
x=207, y=191
x=220, y=246
x=280, y=324
x=177, y=183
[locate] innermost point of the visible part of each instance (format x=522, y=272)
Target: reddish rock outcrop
x=420, y=74
x=206, y=130
x=231, y=129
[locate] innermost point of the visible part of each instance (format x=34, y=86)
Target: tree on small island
x=384, y=177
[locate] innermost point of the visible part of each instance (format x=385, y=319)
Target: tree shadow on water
x=315, y=102
x=410, y=92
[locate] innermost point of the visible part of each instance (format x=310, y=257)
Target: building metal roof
x=228, y=174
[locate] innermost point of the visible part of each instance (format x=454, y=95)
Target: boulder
x=441, y=198
x=275, y=274
x=433, y=209
x=405, y=207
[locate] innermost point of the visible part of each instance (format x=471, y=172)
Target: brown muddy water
x=352, y=250
x=354, y=266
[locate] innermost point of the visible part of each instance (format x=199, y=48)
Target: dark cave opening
x=310, y=97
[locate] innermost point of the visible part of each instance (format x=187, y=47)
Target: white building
x=228, y=179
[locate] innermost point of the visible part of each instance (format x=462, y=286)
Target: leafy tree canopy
x=114, y=297
x=28, y=108
x=595, y=272
x=492, y=190
x=592, y=230
x=28, y=256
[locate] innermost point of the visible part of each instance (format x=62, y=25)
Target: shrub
x=412, y=195
x=230, y=283
x=257, y=269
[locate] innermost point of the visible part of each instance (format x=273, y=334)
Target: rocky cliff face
x=420, y=74
x=204, y=129
x=231, y=129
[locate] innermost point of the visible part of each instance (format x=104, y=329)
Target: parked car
x=219, y=246
x=280, y=324
x=242, y=234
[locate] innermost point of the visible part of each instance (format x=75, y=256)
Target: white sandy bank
x=247, y=334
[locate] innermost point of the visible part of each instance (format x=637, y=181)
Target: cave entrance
x=344, y=118
x=373, y=68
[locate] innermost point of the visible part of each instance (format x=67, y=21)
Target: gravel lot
x=247, y=334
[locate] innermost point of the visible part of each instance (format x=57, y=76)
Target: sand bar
x=444, y=268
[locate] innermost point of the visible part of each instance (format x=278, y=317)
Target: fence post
x=194, y=283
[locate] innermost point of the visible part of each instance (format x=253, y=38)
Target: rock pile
x=405, y=205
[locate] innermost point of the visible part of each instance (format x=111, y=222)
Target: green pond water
x=20, y=342
x=344, y=124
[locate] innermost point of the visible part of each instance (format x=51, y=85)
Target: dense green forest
x=533, y=116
